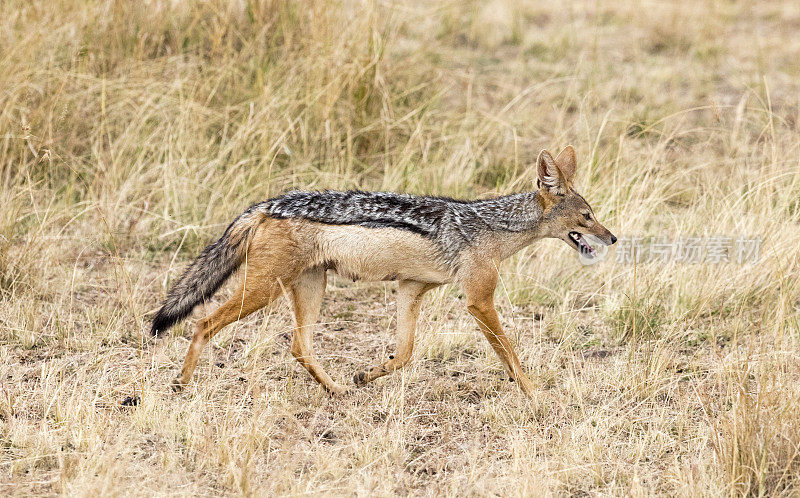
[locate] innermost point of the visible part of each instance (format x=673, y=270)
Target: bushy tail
x=208, y=272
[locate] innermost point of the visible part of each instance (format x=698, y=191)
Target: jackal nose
x=613, y=239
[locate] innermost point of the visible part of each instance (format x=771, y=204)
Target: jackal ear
x=567, y=162
x=550, y=177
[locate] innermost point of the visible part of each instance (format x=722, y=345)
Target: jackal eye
x=587, y=216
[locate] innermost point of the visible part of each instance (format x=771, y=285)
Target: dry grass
x=131, y=132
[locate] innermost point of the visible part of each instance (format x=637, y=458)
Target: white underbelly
x=373, y=254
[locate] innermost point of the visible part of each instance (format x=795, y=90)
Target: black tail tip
x=161, y=323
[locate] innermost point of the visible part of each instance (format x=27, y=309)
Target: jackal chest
x=374, y=254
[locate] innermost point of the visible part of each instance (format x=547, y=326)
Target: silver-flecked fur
x=452, y=224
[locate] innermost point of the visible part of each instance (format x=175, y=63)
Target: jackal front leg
x=480, y=303
x=409, y=298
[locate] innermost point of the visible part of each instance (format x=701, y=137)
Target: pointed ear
x=567, y=162
x=550, y=177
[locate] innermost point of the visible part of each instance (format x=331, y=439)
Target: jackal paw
x=360, y=379
x=336, y=390
x=177, y=385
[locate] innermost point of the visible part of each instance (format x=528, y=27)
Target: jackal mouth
x=581, y=245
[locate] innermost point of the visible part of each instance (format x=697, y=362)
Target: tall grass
x=132, y=132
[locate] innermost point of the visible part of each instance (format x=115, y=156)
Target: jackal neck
x=514, y=213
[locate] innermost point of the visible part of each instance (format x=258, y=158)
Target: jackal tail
x=208, y=272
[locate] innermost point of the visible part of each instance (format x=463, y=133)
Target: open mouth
x=581, y=244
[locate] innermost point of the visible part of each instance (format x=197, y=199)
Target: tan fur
x=374, y=254
x=567, y=162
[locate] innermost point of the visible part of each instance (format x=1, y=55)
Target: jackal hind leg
x=271, y=267
x=243, y=303
x=307, y=291
x=409, y=299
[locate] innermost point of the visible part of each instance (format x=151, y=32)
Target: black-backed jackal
x=288, y=244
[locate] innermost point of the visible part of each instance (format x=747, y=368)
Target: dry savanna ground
x=132, y=132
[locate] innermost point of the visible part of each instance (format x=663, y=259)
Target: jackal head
x=567, y=215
